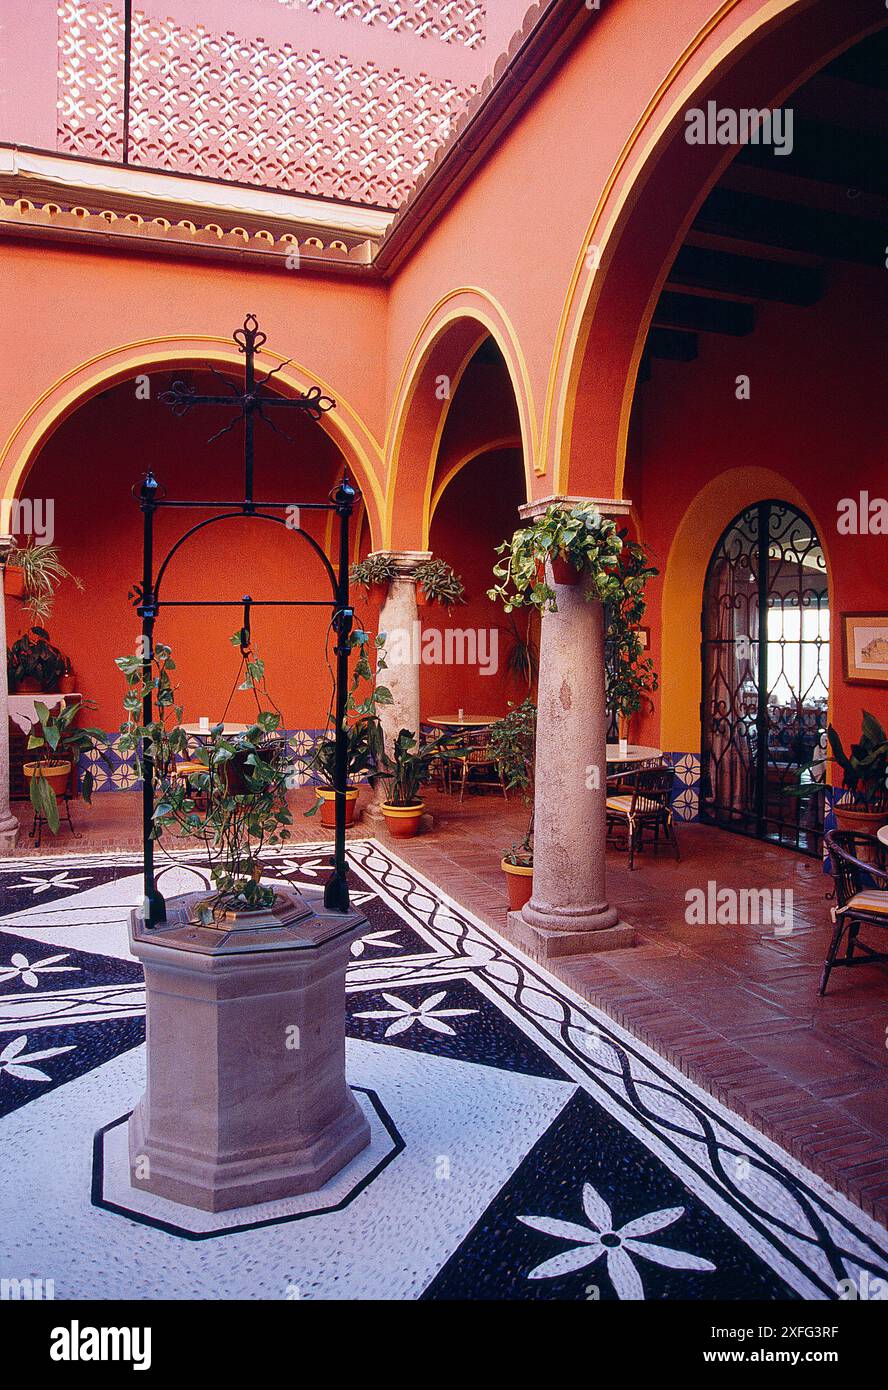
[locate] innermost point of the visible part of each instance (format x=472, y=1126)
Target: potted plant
x=34, y=664
x=576, y=540
x=437, y=582
x=58, y=747
x=864, y=804
x=374, y=573
x=230, y=793
x=513, y=746
x=365, y=748
x=630, y=677
x=33, y=573
x=406, y=772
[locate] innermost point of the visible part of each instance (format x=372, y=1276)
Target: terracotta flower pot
x=29, y=686
x=56, y=774
x=519, y=883
x=402, y=822
x=422, y=598
x=327, y=799
x=563, y=572
x=14, y=581
x=864, y=822
x=68, y=684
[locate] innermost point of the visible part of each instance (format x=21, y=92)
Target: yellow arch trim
x=510, y=441
x=85, y=379
x=437, y=320
x=696, y=536
x=559, y=404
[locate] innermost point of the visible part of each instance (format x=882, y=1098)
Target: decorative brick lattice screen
x=229, y=107
x=452, y=21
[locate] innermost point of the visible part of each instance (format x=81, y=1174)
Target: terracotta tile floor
x=734, y=1007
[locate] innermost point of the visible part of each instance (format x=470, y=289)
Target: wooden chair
x=439, y=768
x=639, y=801
x=858, y=866
x=479, y=758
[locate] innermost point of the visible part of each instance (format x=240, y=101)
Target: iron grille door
x=765, y=654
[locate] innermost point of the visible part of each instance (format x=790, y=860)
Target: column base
x=547, y=943
x=9, y=833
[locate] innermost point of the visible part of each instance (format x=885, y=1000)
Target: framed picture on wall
x=865, y=647
x=645, y=635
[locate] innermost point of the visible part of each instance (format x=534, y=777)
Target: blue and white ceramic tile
x=686, y=788
x=525, y=1147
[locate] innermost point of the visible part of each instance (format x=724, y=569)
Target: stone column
x=399, y=620
x=9, y=826
x=568, y=912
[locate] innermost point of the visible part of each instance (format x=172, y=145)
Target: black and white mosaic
x=528, y=1148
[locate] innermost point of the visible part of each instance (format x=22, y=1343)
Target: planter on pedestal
x=246, y=1098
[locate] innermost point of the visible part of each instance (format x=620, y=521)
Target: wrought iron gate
x=765, y=650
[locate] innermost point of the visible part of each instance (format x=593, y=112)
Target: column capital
x=405, y=561
x=608, y=506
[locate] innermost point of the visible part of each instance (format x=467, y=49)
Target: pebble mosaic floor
x=524, y=1146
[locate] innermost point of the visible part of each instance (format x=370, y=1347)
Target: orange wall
x=816, y=417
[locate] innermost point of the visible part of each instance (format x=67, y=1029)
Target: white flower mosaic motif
x=13, y=1060
x=375, y=938
x=685, y=806
x=20, y=965
x=44, y=885
x=427, y=1013
x=599, y=1238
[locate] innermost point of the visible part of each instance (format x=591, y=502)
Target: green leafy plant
x=43, y=572
x=440, y=583
x=54, y=741
x=235, y=803
x=376, y=569
x=409, y=767
x=522, y=652
x=865, y=766
x=365, y=746
x=578, y=535
x=513, y=747
x=34, y=658
x=630, y=674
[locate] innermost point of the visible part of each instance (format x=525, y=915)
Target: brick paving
x=734, y=1007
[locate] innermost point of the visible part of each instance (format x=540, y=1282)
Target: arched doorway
x=765, y=650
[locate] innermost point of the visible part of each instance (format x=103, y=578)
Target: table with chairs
x=639, y=800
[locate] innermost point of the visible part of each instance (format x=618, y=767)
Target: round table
x=468, y=721
x=228, y=731
x=635, y=753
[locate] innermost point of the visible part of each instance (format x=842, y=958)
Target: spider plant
x=43, y=572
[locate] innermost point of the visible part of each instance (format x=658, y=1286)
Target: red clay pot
x=519, y=883
x=563, y=572
x=14, y=581
x=327, y=799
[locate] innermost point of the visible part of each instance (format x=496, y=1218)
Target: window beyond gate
x=765, y=647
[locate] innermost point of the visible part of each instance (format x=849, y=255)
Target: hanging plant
x=376, y=569
x=579, y=539
x=234, y=796
x=41, y=574
x=437, y=582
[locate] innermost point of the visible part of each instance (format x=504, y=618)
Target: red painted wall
x=816, y=415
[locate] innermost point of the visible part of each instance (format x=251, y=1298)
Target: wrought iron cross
x=251, y=401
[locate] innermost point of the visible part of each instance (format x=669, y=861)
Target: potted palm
x=57, y=746
x=437, y=582
x=230, y=793
x=407, y=771
x=864, y=803
x=34, y=664
x=33, y=573
x=513, y=746
x=365, y=748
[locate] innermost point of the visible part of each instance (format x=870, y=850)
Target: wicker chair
x=639, y=801
x=858, y=866
x=439, y=768
x=479, y=758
